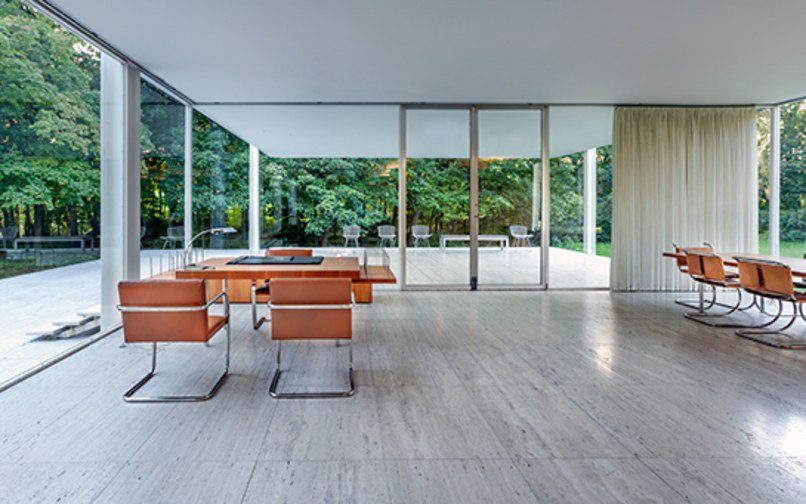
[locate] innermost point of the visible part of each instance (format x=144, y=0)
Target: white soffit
x=372, y=131
x=466, y=51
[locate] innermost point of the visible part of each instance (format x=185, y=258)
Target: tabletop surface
x=798, y=265
x=347, y=267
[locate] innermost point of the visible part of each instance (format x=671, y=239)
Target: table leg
x=362, y=292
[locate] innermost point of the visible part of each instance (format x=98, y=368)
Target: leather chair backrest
x=680, y=249
x=713, y=267
x=164, y=326
x=296, y=252
x=314, y=323
x=777, y=278
x=749, y=275
x=769, y=278
x=694, y=262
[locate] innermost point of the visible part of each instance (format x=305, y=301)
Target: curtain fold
x=680, y=175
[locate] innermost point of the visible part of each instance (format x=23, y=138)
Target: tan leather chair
x=161, y=311
x=683, y=268
x=261, y=294
x=708, y=268
x=772, y=280
x=311, y=308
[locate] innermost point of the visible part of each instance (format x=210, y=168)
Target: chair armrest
x=166, y=309
x=349, y=306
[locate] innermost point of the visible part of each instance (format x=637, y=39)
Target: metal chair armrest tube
x=274, y=306
x=156, y=309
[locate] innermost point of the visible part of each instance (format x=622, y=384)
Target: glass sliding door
x=580, y=176
x=509, y=199
x=437, y=149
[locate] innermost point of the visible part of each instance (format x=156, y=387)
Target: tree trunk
x=39, y=218
x=73, y=221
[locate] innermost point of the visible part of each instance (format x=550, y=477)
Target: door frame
x=473, y=131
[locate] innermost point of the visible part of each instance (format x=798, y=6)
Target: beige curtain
x=680, y=175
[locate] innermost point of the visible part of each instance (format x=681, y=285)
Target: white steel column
x=536, y=190
x=589, y=204
x=254, y=200
x=545, y=231
x=775, y=181
x=120, y=182
x=188, y=226
x=401, y=196
x=474, y=197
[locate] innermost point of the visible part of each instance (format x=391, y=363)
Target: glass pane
x=438, y=197
x=162, y=197
x=577, y=260
x=220, y=187
x=763, y=125
x=509, y=196
x=793, y=179
x=49, y=189
x=331, y=184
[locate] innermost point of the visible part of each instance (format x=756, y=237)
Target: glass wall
x=509, y=197
x=220, y=185
x=49, y=188
x=792, y=197
x=763, y=146
x=328, y=180
x=793, y=179
x=162, y=134
x=438, y=197
x=574, y=131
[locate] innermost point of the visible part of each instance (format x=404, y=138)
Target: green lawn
x=788, y=248
x=10, y=268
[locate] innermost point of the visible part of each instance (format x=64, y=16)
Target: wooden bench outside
x=503, y=240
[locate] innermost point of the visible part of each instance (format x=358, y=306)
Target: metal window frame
x=473, y=158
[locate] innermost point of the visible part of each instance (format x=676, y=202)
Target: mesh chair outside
x=175, y=234
x=421, y=234
x=520, y=235
x=8, y=235
x=351, y=234
x=387, y=234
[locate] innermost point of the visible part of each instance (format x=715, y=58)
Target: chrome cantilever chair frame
x=702, y=314
x=129, y=395
x=758, y=336
x=754, y=334
x=275, y=380
x=699, y=303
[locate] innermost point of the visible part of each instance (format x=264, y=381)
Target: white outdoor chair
x=520, y=235
x=387, y=234
x=8, y=234
x=421, y=234
x=175, y=234
x=351, y=234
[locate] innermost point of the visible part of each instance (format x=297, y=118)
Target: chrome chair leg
x=700, y=316
x=309, y=395
x=784, y=341
x=129, y=395
x=256, y=323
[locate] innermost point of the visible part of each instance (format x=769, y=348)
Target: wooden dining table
x=237, y=279
x=798, y=265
